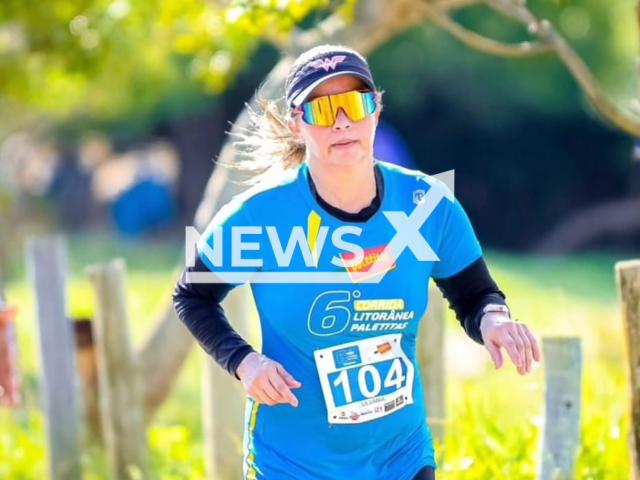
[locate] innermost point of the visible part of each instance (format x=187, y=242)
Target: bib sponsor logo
x=384, y=348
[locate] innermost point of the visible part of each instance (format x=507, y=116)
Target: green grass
x=494, y=418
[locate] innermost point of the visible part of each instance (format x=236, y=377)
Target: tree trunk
x=615, y=217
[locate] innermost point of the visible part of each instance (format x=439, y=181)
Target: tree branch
x=448, y=5
x=331, y=27
x=302, y=40
x=480, y=42
x=517, y=10
x=616, y=217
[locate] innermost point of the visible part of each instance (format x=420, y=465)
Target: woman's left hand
x=499, y=330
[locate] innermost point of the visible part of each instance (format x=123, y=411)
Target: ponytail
x=269, y=146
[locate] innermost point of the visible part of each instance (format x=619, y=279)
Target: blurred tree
x=104, y=58
x=114, y=59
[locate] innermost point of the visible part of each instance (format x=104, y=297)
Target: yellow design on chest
x=313, y=228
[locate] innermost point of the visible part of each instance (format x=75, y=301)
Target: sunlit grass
x=494, y=418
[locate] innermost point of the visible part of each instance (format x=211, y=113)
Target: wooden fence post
x=430, y=354
x=118, y=375
x=46, y=262
x=88, y=376
x=224, y=400
x=561, y=436
x=628, y=280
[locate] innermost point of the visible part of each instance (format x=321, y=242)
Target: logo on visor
x=328, y=63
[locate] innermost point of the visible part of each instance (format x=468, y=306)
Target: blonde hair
x=269, y=146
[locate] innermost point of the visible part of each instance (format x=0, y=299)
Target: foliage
x=103, y=57
x=108, y=58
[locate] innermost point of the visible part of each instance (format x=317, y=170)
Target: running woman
x=335, y=393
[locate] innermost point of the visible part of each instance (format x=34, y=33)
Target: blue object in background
x=389, y=146
x=146, y=205
x=149, y=203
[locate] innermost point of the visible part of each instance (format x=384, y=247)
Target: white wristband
x=493, y=307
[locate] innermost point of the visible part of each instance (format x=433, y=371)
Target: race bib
x=366, y=379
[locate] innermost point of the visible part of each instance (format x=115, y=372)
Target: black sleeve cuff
x=237, y=358
x=468, y=292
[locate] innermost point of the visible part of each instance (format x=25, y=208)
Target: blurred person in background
x=27, y=166
x=70, y=191
x=138, y=188
x=336, y=392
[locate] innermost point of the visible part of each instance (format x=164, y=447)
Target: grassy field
x=494, y=417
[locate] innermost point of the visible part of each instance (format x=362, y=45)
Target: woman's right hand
x=266, y=381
